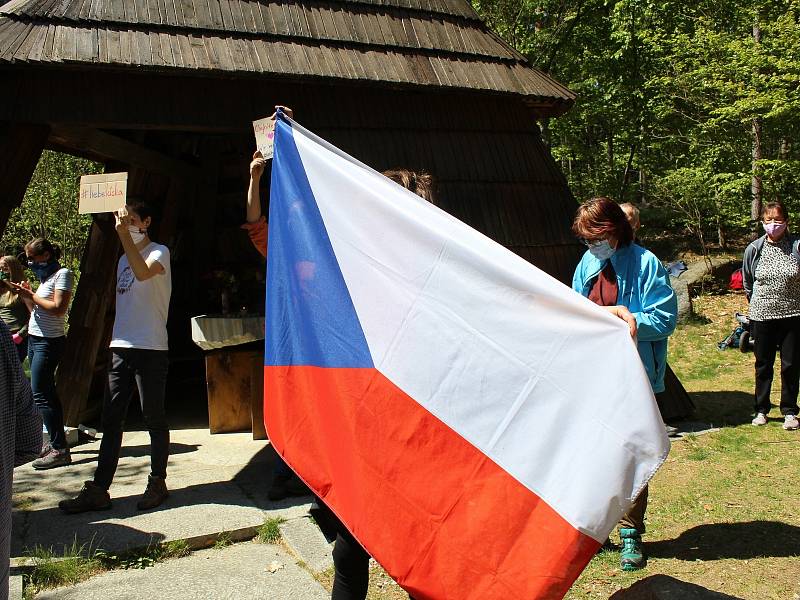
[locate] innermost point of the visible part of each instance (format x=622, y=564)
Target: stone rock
x=308, y=543
x=15, y=587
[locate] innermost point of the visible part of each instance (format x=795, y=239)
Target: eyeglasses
x=590, y=243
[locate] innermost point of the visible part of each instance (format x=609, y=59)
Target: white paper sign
x=265, y=135
x=102, y=193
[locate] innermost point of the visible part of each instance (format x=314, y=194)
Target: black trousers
x=147, y=370
x=350, y=560
x=769, y=336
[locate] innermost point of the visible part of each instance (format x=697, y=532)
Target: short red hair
x=601, y=218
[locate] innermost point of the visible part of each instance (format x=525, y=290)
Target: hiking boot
x=284, y=486
x=52, y=459
x=631, y=557
x=155, y=493
x=761, y=419
x=91, y=497
x=790, y=422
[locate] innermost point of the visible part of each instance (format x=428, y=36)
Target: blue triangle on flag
x=310, y=317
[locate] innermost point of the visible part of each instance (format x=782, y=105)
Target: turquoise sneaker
x=631, y=557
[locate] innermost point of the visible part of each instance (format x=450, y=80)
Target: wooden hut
x=167, y=90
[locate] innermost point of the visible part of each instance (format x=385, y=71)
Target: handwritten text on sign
x=102, y=193
x=265, y=135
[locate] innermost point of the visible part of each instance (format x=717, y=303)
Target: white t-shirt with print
x=142, y=306
x=43, y=323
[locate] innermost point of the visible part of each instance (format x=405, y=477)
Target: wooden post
x=90, y=321
x=20, y=149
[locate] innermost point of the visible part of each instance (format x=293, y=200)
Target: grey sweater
x=750, y=261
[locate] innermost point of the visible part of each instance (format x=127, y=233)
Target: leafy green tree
x=50, y=208
x=690, y=108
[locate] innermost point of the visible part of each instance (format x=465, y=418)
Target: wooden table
x=234, y=371
x=235, y=384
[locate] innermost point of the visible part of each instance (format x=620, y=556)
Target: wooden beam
x=21, y=146
x=90, y=320
x=105, y=147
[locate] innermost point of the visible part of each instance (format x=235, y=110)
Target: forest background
x=689, y=110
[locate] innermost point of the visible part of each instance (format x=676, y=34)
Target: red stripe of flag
x=443, y=519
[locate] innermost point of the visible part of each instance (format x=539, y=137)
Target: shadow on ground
x=188, y=510
x=663, y=587
x=723, y=409
x=80, y=457
x=716, y=541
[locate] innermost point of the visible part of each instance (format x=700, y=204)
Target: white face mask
x=136, y=234
x=602, y=250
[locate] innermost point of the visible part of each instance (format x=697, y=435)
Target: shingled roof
x=438, y=43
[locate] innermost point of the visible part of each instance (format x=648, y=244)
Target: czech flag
x=477, y=425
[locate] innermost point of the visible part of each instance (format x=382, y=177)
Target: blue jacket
x=644, y=289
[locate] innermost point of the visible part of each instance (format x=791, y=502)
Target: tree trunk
x=783, y=150
x=755, y=185
x=626, y=175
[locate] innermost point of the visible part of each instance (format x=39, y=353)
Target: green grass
x=146, y=557
x=722, y=509
x=270, y=531
x=77, y=563
x=223, y=541
x=74, y=564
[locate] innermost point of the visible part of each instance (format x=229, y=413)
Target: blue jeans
x=44, y=355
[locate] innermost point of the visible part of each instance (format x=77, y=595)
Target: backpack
x=736, y=282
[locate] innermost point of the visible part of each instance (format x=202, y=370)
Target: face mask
x=774, y=230
x=136, y=234
x=601, y=250
x=44, y=270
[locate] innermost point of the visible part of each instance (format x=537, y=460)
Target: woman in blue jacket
x=615, y=271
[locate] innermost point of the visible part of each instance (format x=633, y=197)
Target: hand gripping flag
x=478, y=426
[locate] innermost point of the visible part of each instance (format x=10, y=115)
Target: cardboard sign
x=102, y=193
x=265, y=135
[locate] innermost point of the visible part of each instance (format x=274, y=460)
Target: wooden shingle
x=430, y=43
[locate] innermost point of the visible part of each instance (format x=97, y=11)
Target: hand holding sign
x=102, y=193
x=265, y=133
x=257, y=165
x=122, y=219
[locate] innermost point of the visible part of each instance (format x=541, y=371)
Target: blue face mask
x=44, y=270
x=601, y=250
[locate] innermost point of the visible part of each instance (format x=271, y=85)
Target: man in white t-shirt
x=139, y=358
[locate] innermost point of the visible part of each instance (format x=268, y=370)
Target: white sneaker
x=761, y=419
x=790, y=422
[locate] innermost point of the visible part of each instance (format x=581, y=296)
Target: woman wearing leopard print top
x=771, y=270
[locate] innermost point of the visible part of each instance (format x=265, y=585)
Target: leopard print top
x=776, y=285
